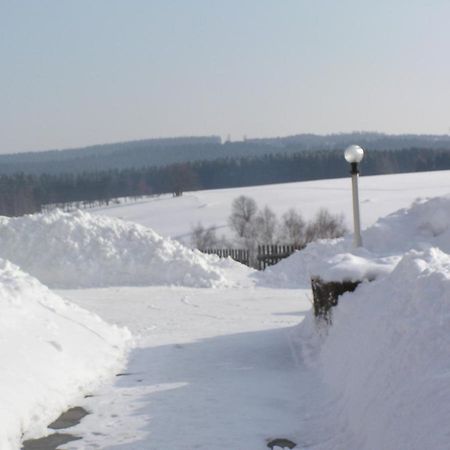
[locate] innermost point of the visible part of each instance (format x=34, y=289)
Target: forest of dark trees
x=163, y=152
x=26, y=193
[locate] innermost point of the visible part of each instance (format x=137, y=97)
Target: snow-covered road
x=213, y=369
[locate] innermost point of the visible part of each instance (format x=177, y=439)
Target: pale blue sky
x=81, y=72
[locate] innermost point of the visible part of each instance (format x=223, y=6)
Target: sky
x=75, y=73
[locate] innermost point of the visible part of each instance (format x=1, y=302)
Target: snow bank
x=81, y=250
x=426, y=223
x=357, y=266
x=295, y=271
x=52, y=353
x=332, y=260
x=387, y=358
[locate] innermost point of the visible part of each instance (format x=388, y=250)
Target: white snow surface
x=213, y=369
x=379, y=196
x=74, y=250
x=224, y=368
x=231, y=367
x=424, y=224
x=356, y=266
x=387, y=358
x=386, y=355
x=52, y=352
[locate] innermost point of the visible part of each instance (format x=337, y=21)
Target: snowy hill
x=379, y=195
x=81, y=250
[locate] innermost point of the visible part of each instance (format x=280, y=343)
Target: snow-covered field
x=379, y=196
x=223, y=357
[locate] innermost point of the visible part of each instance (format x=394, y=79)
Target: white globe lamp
x=354, y=154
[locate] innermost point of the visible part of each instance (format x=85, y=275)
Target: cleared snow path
x=213, y=369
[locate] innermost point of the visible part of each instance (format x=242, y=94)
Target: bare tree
x=292, y=229
x=265, y=227
x=253, y=227
x=243, y=211
x=204, y=238
x=325, y=226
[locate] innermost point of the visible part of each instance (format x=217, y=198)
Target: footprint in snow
x=186, y=301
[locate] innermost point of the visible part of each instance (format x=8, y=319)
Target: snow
x=52, y=353
x=213, y=369
x=224, y=357
x=353, y=267
x=379, y=196
x=334, y=260
x=79, y=250
x=387, y=358
x=424, y=224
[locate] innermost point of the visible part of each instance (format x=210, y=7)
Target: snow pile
x=387, y=358
x=331, y=260
x=426, y=223
x=357, y=266
x=295, y=271
x=52, y=353
x=81, y=250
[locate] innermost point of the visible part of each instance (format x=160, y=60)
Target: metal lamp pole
x=354, y=155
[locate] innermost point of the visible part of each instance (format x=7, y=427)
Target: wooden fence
x=266, y=255
x=240, y=255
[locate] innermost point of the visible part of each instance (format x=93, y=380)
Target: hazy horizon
x=89, y=73
x=223, y=139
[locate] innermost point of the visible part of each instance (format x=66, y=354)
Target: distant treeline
x=163, y=152
x=20, y=193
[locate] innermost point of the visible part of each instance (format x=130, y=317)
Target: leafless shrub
x=325, y=226
x=265, y=227
x=204, y=238
x=292, y=228
x=243, y=211
x=253, y=227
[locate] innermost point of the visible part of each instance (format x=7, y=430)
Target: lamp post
x=354, y=155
